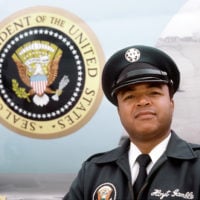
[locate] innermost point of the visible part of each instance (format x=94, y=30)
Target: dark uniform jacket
x=176, y=175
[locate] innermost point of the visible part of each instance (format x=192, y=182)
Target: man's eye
x=155, y=93
x=130, y=96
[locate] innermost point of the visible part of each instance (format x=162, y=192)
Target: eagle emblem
x=37, y=64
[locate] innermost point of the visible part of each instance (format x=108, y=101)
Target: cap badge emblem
x=132, y=55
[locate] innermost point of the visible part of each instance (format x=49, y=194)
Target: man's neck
x=146, y=146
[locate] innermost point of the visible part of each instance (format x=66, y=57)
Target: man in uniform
x=154, y=163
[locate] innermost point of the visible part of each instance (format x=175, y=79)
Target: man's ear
x=172, y=102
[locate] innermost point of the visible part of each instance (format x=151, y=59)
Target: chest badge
x=105, y=191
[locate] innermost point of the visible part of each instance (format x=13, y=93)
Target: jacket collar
x=177, y=148
x=180, y=149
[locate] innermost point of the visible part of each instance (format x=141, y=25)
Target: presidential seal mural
x=50, y=72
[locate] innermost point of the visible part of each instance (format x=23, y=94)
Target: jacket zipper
x=143, y=187
x=131, y=190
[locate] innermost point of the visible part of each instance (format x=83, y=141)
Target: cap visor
x=137, y=81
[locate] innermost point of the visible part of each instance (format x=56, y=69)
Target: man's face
x=145, y=110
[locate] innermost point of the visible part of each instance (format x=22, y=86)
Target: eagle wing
x=53, y=69
x=23, y=72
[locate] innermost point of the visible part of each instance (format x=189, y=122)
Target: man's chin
x=145, y=133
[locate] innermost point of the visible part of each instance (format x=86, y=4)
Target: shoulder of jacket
x=110, y=156
x=195, y=148
x=99, y=156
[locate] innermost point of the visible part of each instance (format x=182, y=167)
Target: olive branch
x=19, y=91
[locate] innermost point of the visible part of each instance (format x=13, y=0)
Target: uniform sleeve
x=76, y=191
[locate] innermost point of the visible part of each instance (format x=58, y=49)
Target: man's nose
x=143, y=100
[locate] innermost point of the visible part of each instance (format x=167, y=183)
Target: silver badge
x=132, y=55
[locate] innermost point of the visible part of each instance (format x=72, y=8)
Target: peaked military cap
x=138, y=64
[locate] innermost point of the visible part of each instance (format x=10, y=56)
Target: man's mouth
x=145, y=114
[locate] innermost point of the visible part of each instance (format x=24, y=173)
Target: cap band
x=143, y=72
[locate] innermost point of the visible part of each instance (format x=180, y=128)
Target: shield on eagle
x=39, y=84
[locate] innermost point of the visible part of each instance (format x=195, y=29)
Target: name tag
x=172, y=193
